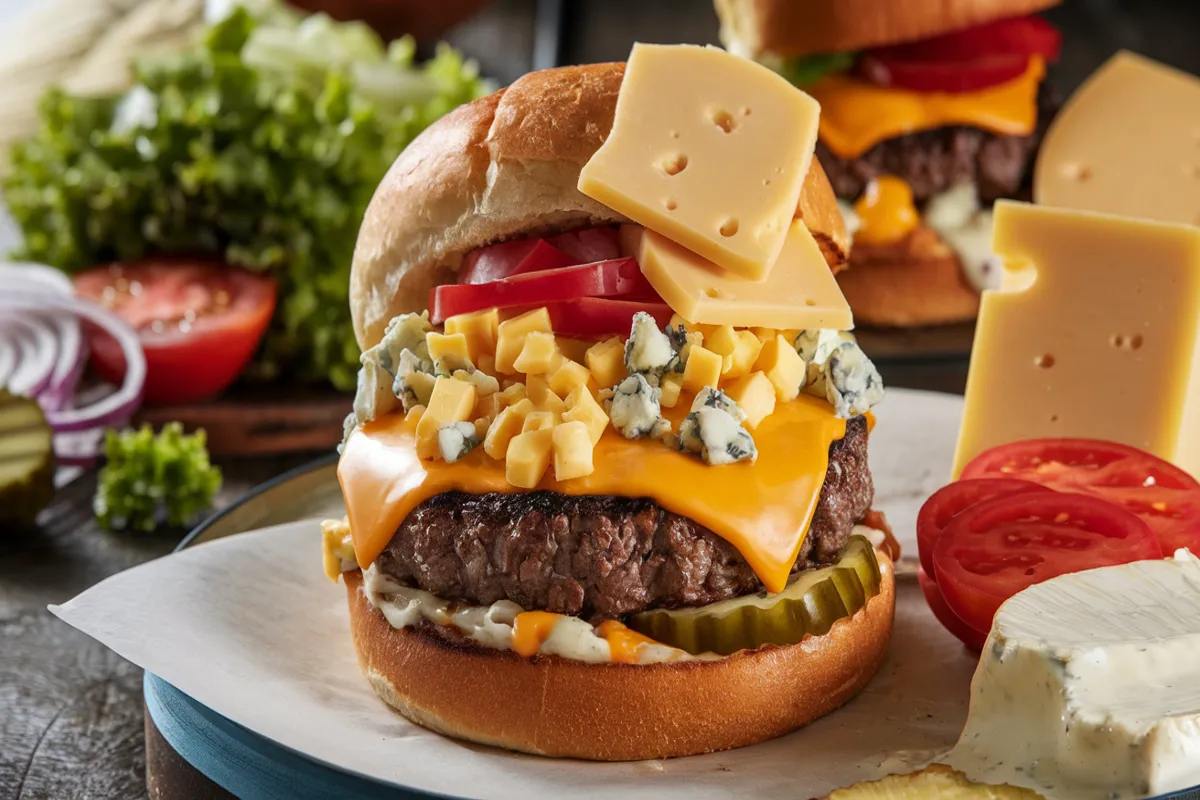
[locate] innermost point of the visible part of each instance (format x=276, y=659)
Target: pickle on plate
x=26, y=460
x=810, y=604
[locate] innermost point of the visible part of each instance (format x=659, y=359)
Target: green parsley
x=810, y=69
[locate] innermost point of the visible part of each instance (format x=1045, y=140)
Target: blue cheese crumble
x=713, y=428
x=634, y=408
x=852, y=384
x=456, y=440
x=648, y=351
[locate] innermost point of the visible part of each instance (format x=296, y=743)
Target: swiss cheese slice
x=1094, y=333
x=709, y=150
x=1128, y=143
x=800, y=292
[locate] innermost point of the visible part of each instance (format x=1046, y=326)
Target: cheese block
x=1094, y=333
x=1087, y=685
x=1127, y=142
x=709, y=150
x=800, y=292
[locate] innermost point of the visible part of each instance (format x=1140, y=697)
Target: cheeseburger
x=578, y=522
x=930, y=111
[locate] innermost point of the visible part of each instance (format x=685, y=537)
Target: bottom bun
x=918, y=281
x=551, y=706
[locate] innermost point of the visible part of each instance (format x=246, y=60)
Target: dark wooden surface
x=70, y=711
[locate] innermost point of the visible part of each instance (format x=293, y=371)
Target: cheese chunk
x=510, y=336
x=1095, y=333
x=606, y=361
x=709, y=150
x=1097, y=698
x=800, y=292
x=1128, y=143
x=572, y=451
x=528, y=456
x=452, y=401
x=480, y=329
x=582, y=407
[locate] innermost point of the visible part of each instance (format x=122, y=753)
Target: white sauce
x=1089, y=685
x=957, y=218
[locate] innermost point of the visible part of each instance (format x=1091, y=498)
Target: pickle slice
x=809, y=604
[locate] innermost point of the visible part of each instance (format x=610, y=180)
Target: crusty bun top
x=503, y=167
x=792, y=28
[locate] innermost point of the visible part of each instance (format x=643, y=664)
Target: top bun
x=791, y=28
x=503, y=167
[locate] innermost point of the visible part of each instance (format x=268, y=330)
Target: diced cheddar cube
x=745, y=353
x=606, y=361
x=513, y=394
x=539, y=355
x=448, y=349
x=422, y=384
x=481, y=427
x=414, y=413
x=572, y=451
x=783, y=366
x=480, y=329
x=536, y=420
x=703, y=368
x=568, y=377
x=764, y=334
x=582, y=407
x=722, y=341
x=691, y=327
x=487, y=407
x=537, y=388
x=504, y=427
x=528, y=456
x=486, y=362
x=670, y=386
x=726, y=364
x=574, y=349
x=755, y=395
x=452, y=401
x=510, y=337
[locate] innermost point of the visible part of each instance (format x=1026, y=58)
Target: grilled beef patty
x=603, y=556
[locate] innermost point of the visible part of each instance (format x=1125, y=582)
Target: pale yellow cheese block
x=1128, y=143
x=709, y=150
x=800, y=292
x=1095, y=333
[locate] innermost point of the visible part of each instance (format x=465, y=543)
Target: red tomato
x=199, y=322
x=590, y=244
x=948, y=501
x=506, y=259
x=950, y=621
x=996, y=548
x=1163, y=495
x=964, y=61
x=595, y=317
x=602, y=279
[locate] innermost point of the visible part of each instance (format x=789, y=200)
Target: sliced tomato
x=500, y=261
x=590, y=244
x=596, y=317
x=948, y=501
x=199, y=322
x=964, y=61
x=996, y=548
x=1162, y=494
x=602, y=279
x=972, y=638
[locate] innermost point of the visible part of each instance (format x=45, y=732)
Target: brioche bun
x=791, y=28
x=552, y=706
x=503, y=167
x=916, y=281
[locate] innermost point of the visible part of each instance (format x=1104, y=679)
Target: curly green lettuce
x=151, y=480
x=263, y=145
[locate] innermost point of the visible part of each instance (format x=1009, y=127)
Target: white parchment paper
x=250, y=627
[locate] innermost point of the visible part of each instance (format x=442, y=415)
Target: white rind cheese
x=1089, y=685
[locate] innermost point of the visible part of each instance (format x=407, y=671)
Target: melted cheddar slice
x=857, y=115
x=762, y=509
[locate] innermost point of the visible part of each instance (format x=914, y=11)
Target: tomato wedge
x=595, y=317
x=499, y=261
x=948, y=501
x=199, y=322
x=996, y=548
x=1163, y=495
x=950, y=621
x=602, y=279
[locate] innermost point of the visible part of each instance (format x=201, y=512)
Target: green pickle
x=809, y=604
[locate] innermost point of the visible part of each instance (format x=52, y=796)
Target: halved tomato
x=996, y=548
x=950, y=621
x=1163, y=495
x=199, y=322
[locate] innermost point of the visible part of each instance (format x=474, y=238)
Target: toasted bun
x=792, y=28
x=917, y=281
x=553, y=706
x=503, y=167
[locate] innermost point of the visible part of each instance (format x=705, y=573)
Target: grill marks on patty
x=603, y=556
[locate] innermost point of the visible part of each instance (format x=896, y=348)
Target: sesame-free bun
x=791, y=28
x=503, y=167
x=916, y=281
x=552, y=706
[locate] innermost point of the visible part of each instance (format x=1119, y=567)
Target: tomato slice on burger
x=199, y=322
x=1164, y=496
x=972, y=638
x=589, y=244
x=596, y=317
x=499, y=261
x=994, y=549
x=948, y=501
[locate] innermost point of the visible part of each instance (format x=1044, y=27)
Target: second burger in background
x=929, y=113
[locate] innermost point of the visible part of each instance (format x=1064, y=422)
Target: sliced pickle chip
x=809, y=604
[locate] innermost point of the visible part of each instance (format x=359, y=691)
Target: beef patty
x=936, y=160
x=603, y=556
